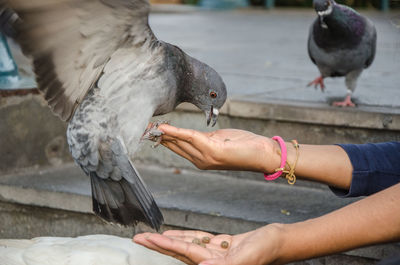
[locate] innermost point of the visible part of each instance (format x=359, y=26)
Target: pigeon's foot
x=318, y=81
x=153, y=134
x=345, y=103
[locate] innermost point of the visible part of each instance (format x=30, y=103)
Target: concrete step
x=25, y=144
x=31, y=136
x=188, y=200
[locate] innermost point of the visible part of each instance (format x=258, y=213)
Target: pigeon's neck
x=188, y=72
x=345, y=20
x=194, y=81
x=343, y=28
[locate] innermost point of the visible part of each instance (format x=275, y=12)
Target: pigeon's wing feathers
x=310, y=35
x=119, y=194
x=70, y=42
x=373, y=48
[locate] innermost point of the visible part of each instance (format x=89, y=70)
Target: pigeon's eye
x=213, y=94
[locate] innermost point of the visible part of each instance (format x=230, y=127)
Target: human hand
x=228, y=149
x=257, y=247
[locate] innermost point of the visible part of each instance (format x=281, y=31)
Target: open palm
x=222, y=149
x=256, y=247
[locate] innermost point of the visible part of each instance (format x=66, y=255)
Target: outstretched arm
x=241, y=150
x=373, y=220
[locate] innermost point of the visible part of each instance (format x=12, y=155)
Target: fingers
x=176, y=148
x=213, y=262
x=185, y=147
x=219, y=243
x=180, y=245
x=192, y=251
x=195, y=154
x=193, y=142
x=187, y=135
x=192, y=233
x=141, y=239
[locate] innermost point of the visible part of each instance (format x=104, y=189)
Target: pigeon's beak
x=212, y=116
x=323, y=11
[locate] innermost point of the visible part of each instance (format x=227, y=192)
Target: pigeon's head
x=323, y=7
x=206, y=90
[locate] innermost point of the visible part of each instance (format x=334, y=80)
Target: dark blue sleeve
x=375, y=167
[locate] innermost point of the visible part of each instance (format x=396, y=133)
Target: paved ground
x=262, y=54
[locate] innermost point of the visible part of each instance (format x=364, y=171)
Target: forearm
x=373, y=220
x=327, y=164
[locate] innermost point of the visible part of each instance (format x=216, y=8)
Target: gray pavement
x=231, y=206
x=262, y=54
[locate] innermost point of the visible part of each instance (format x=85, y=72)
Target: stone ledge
x=369, y=117
x=363, y=117
x=188, y=199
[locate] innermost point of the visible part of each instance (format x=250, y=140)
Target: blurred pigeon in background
x=100, y=67
x=341, y=42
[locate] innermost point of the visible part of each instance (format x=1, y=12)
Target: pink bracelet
x=278, y=171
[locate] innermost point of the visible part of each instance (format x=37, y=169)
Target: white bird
x=84, y=250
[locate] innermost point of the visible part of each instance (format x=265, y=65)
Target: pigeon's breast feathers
x=348, y=20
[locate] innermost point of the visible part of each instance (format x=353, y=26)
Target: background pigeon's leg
x=345, y=103
x=351, y=82
x=318, y=81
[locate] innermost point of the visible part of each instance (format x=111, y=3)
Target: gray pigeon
x=100, y=67
x=341, y=42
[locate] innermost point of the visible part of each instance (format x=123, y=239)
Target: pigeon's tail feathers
x=125, y=201
x=119, y=194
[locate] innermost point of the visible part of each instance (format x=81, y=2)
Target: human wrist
x=272, y=156
x=285, y=252
x=276, y=233
x=286, y=153
x=297, y=243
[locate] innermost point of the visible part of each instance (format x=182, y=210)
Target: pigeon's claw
x=345, y=103
x=212, y=116
x=318, y=81
x=153, y=134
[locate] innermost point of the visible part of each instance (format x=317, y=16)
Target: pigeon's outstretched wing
x=79, y=46
x=70, y=41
